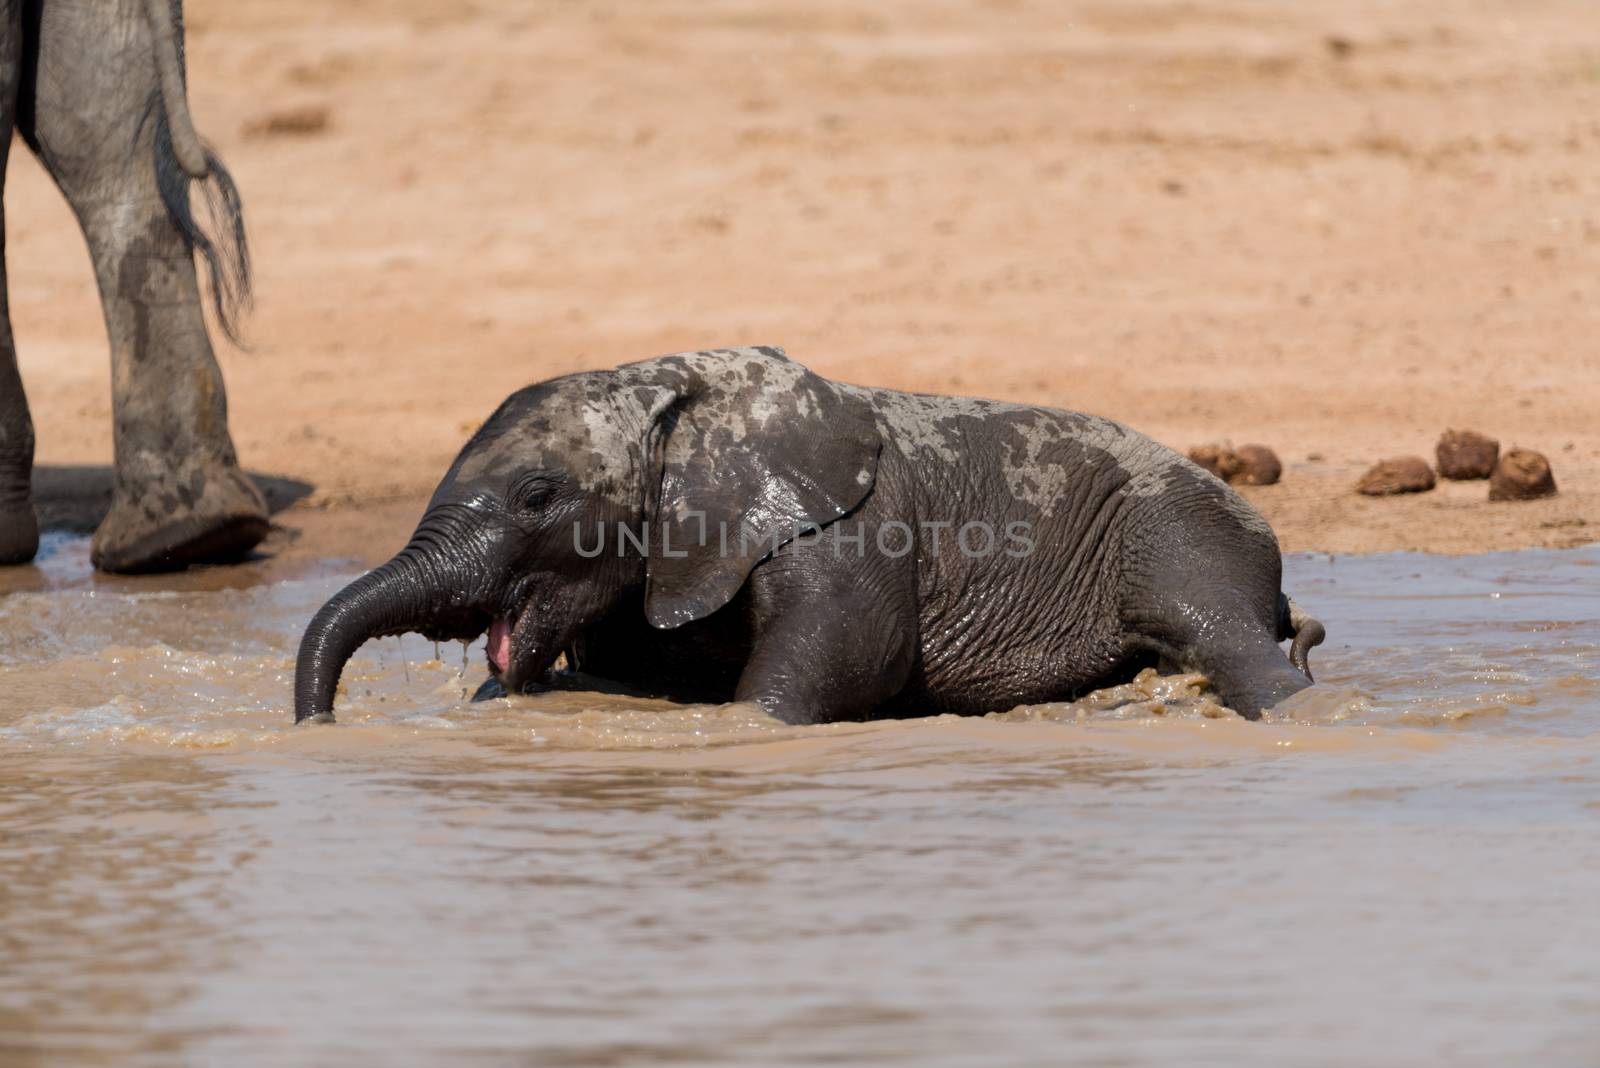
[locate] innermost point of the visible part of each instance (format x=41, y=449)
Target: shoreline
x=1203, y=221
x=1314, y=509
x=1310, y=513
x=312, y=537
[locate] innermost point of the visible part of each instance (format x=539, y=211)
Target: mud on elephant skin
x=728, y=525
x=96, y=89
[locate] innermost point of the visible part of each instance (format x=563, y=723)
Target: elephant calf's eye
x=532, y=494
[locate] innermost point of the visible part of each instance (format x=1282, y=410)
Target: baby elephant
x=727, y=525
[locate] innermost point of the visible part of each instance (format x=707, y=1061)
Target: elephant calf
x=727, y=524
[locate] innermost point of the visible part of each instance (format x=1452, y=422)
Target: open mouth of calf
x=500, y=631
x=514, y=650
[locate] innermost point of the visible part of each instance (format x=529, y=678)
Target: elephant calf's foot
x=19, y=533
x=204, y=516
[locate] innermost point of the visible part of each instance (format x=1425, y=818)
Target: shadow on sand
x=74, y=498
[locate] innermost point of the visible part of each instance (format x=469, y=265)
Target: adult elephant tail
x=186, y=146
x=181, y=157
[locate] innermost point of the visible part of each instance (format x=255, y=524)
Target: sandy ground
x=1333, y=227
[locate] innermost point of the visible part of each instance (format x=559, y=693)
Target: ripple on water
x=1415, y=642
x=581, y=877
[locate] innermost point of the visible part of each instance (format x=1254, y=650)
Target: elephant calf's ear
x=756, y=449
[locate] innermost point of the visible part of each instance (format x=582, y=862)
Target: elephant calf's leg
x=821, y=654
x=1235, y=650
x=1231, y=637
x=178, y=496
x=1249, y=671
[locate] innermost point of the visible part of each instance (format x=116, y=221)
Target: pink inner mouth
x=500, y=641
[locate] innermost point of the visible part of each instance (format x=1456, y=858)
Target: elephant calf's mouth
x=517, y=652
x=506, y=643
x=501, y=631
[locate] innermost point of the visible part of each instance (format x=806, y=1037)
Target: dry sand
x=1336, y=228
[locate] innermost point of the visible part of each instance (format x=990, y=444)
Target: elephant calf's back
x=1030, y=606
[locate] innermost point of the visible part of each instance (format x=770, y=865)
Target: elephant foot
x=492, y=689
x=19, y=533
x=209, y=517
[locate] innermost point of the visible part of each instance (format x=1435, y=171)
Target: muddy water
x=1401, y=868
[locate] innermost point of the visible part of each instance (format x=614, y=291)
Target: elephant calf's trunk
x=376, y=604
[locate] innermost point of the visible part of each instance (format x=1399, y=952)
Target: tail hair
x=225, y=249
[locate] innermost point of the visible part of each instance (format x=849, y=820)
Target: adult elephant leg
x=19, y=529
x=98, y=125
